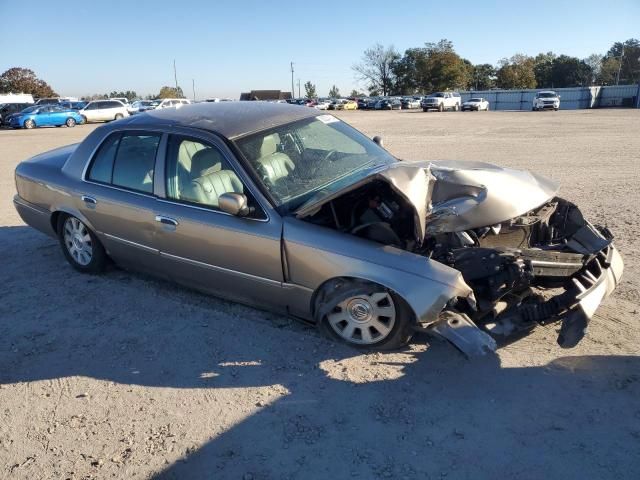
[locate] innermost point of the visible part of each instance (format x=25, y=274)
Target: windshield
x=437, y=95
x=30, y=109
x=475, y=100
x=297, y=160
x=546, y=95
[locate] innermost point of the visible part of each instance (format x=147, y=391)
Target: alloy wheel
x=364, y=319
x=77, y=241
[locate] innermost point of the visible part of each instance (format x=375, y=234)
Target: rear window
x=127, y=161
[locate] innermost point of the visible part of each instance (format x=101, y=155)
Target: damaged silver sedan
x=294, y=211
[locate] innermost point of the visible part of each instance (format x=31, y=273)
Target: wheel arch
x=330, y=283
x=63, y=210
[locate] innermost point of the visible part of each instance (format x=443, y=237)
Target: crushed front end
x=548, y=265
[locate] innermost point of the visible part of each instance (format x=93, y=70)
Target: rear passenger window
x=126, y=161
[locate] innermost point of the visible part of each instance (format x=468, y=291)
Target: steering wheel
x=329, y=154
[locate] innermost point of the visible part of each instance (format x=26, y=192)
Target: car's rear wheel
x=456, y=107
x=29, y=124
x=70, y=122
x=118, y=116
x=80, y=246
x=364, y=315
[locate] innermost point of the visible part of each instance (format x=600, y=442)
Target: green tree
x=543, y=65
x=310, y=90
x=170, y=92
x=24, y=80
x=129, y=95
x=627, y=56
x=334, y=92
x=355, y=93
x=483, y=77
x=569, y=72
x=516, y=72
x=377, y=67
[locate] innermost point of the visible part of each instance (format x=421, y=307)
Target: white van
x=16, y=98
x=103, y=111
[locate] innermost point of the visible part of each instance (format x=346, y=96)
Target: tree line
x=437, y=66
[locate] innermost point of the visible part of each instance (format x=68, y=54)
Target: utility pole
x=193, y=85
x=175, y=74
x=293, y=90
x=299, y=94
x=620, y=66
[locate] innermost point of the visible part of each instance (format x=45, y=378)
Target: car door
x=117, y=197
x=202, y=246
x=43, y=117
x=91, y=112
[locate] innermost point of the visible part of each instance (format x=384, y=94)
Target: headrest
x=205, y=161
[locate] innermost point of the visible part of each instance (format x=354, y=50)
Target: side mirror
x=378, y=141
x=234, y=204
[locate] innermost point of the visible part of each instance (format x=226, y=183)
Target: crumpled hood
x=453, y=196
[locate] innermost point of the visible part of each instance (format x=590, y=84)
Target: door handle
x=88, y=199
x=167, y=220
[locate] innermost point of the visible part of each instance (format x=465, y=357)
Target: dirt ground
x=123, y=376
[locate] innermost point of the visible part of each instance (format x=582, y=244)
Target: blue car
x=45, y=115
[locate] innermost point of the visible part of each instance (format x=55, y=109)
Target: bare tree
x=595, y=63
x=376, y=67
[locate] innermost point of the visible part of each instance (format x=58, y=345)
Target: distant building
x=265, y=95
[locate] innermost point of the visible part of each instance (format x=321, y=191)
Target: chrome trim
x=176, y=202
x=166, y=220
x=30, y=207
x=546, y=263
x=221, y=269
x=133, y=244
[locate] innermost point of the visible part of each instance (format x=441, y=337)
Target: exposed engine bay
x=529, y=270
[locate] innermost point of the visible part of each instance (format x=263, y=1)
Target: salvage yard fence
x=570, y=98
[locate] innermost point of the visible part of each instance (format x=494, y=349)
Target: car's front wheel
x=29, y=124
x=363, y=314
x=70, y=122
x=441, y=108
x=80, y=246
x=118, y=116
x=84, y=120
x=456, y=107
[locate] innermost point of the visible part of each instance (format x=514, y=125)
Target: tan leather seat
x=208, y=180
x=276, y=166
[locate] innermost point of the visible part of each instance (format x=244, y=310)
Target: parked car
x=47, y=101
x=410, y=102
x=363, y=103
x=322, y=104
x=546, y=100
x=74, y=105
x=349, y=105
x=293, y=210
x=172, y=102
x=123, y=100
x=442, y=101
x=44, y=116
x=103, y=111
x=7, y=109
x=388, y=104
x=476, y=103
x=16, y=98
x=142, y=105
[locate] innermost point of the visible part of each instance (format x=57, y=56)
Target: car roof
x=229, y=119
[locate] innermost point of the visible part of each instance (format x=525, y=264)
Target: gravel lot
x=123, y=376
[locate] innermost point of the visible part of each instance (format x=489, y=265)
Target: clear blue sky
x=82, y=47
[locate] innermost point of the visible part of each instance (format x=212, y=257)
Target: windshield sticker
x=327, y=118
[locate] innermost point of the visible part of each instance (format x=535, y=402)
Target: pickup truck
x=441, y=101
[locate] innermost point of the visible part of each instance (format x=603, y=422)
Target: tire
x=456, y=107
x=363, y=315
x=80, y=246
x=425, y=109
x=556, y=109
x=84, y=120
x=118, y=116
x=441, y=108
x=29, y=124
x=71, y=122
